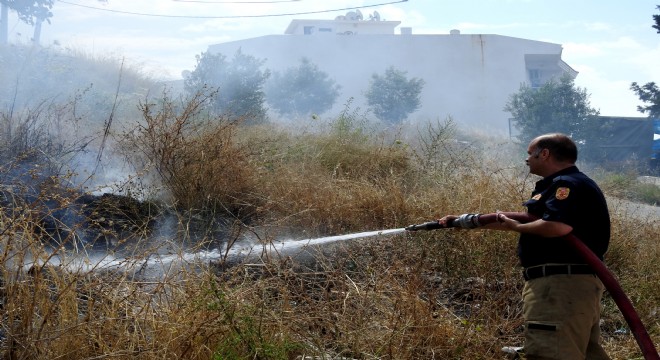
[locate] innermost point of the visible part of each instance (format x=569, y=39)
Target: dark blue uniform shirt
x=570, y=197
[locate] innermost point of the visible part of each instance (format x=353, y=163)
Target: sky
x=611, y=43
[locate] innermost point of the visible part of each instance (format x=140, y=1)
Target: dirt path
x=631, y=209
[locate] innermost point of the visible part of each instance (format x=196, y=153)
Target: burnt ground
x=107, y=222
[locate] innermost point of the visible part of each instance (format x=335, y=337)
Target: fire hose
x=472, y=221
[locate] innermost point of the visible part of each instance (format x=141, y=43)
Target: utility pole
x=4, y=23
x=37, y=31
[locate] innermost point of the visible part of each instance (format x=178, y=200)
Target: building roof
x=386, y=26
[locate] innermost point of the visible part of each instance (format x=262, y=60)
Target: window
x=535, y=78
x=307, y=30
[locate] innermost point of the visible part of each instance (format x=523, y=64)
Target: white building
x=467, y=76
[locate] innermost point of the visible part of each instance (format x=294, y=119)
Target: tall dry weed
x=194, y=155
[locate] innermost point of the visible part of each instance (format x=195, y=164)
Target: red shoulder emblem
x=562, y=193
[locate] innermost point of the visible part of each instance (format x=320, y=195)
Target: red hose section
x=605, y=275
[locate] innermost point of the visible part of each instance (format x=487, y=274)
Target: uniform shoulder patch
x=562, y=193
x=536, y=197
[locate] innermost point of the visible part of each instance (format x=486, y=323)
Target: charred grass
x=439, y=294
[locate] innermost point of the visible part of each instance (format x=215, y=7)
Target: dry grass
x=440, y=294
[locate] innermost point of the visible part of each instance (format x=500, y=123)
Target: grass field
x=426, y=295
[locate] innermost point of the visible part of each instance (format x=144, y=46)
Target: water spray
x=472, y=221
x=294, y=244
x=155, y=265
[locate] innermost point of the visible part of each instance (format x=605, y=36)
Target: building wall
x=468, y=77
x=625, y=138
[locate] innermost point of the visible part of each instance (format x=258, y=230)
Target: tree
x=303, y=89
x=649, y=93
x=557, y=106
x=239, y=83
x=393, y=97
x=32, y=12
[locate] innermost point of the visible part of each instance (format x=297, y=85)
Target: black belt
x=538, y=271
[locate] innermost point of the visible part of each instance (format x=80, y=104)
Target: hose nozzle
x=431, y=225
x=465, y=221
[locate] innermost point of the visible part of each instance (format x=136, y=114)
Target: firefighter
x=562, y=295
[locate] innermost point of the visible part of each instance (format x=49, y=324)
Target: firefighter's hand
x=447, y=221
x=507, y=222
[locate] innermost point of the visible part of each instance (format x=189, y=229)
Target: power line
x=231, y=16
x=236, y=2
